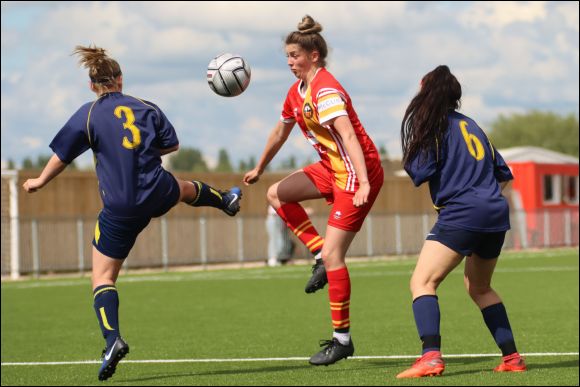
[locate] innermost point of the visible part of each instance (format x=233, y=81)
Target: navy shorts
x=487, y=245
x=115, y=236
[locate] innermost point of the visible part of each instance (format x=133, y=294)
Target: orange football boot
x=512, y=363
x=430, y=364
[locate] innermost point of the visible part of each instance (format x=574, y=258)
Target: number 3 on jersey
x=471, y=140
x=130, y=125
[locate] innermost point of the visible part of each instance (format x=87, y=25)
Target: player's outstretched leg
x=231, y=200
x=111, y=357
x=205, y=195
x=298, y=221
x=333, y=351
x=430, y=364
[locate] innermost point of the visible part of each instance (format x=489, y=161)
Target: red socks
x=338, y=280
x=299, y=222
x=339, y=295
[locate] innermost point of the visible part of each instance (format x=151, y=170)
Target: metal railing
x=47, y=245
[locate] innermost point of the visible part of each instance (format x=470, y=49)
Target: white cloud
x=32, y=142
x=497, y=15
x=12, y=78
x=9, y=39
x=274, y=16
x=569, y=11
x=508, y=56
x=265, y=75
x=565, y=45
x=478, y=109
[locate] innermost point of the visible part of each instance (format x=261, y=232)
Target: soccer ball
x=228, y=75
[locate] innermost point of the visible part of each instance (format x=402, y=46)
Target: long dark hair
x=426, y=117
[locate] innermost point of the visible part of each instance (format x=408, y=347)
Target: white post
x=202, y=241
x=425, y=219
x=369, y=222
x=567, y=228
x=81, y=245
x=35, y=253
x=164, y=246
x=14, y=225
x=546, y=229
x=398, y=243
x=521, y=217
x=240, y=223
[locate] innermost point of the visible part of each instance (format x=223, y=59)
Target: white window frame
x=556, y=189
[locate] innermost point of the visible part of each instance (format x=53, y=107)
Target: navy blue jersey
x=126, y=135
x=464, y=174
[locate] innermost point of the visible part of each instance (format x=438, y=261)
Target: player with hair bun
x=349, y=175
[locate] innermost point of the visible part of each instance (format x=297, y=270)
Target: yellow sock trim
x=216, y=193
x=198, y=186
x=104, y=290
x=104, y=318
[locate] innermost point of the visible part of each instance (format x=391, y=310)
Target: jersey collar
x=303, y=94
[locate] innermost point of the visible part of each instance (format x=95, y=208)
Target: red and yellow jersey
x=324, y=100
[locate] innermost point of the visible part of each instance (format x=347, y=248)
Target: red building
x=544, y=196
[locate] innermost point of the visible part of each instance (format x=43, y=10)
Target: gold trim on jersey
x=143, y=102
x=97, y=232
x=329, y=143
x=89, y=121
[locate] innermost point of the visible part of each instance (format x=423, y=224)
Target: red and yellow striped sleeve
x=330, y=104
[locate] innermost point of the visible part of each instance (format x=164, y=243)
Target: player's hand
x=32, y=185
x=252, y=176
x=361, y=197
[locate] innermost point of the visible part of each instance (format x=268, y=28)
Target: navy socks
x=496, y=319
x=427, y=319
x=106, y=303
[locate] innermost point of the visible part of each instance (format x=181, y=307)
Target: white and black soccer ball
x=228, y=75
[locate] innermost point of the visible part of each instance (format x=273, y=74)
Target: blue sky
x=509, y=57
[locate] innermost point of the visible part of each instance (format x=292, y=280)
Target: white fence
x=46, y=245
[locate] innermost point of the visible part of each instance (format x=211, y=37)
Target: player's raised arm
x=50, y=171
x=277, y=138
x=355, y=153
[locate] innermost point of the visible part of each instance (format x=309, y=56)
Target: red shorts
x=344, y=215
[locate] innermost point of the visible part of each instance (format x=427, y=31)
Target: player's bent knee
x=423, y=286
x=476, y=292
x=272, y=195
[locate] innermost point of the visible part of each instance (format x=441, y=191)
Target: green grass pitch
x=260, y=327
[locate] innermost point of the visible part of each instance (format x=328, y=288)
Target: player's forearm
x=357, y=158
x=353, y=149
x=52, y=169
x=270, y=151
x=504, y=184
x=275, y=141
